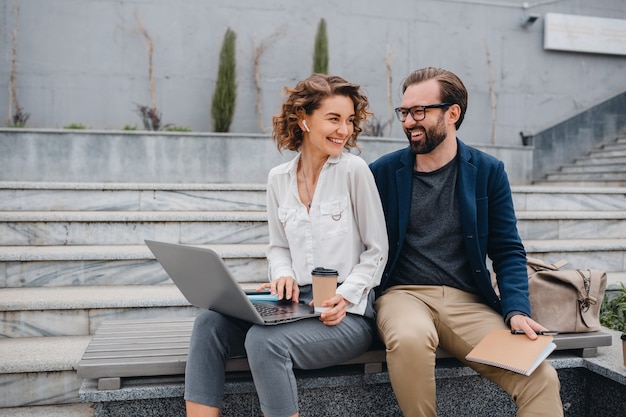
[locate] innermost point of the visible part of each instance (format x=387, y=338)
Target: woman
x=323, y=210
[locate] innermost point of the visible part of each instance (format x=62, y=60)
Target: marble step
x=600, y=159
x=580, y=183
x=54, y=266
x=26, y=228
x=618, y=145
x=38, y=376
x=69, y=196
x=568, y=198
x=571, y=224
x=603, y=254
x=78, y=311
x=608, y=151
x=617, y=179
x=612, y=166
x=131, y=227
x=38, y=196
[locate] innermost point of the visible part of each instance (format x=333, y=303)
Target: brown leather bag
x=565, y=300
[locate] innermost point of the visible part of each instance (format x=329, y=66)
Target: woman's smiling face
x=330, y=126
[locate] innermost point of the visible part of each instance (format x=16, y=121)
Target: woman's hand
x=333, y=316
x=286, y=287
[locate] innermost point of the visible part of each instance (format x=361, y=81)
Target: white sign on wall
x=565, y=32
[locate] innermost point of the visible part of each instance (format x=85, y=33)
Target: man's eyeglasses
x=418, y=113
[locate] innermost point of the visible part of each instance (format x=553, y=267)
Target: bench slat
x=159, y=347
x=139, y=345
x=136, y=353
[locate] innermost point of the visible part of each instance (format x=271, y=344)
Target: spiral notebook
x=515, y=352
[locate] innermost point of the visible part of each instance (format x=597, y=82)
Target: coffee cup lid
x=321, y=271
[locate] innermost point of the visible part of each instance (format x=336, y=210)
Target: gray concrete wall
x=84, y=61
x=108, y=156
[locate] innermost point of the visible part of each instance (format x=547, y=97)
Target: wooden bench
x=158, y=347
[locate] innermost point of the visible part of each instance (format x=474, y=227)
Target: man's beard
x=433, y=137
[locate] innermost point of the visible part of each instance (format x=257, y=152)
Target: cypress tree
x=320, y=56
x=225, y=95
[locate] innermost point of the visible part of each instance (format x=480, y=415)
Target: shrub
x=225, y=95
x=320, y=53
x=176, y=128
x=76, y=126
x=613, y=309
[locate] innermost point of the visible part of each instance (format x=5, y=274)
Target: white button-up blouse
x=344, y=229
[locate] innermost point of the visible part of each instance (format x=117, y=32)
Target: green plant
x=613, y=309
x=20, y=117
x=320, y=53
x=225, y=95
x=175, y=128
x=17, y=125
x=129, y=127
x=75, y=126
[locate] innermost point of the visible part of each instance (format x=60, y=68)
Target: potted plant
x=613, y=312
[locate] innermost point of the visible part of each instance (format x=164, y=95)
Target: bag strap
x=593, y=287
x=585, y=299
x=539, y=265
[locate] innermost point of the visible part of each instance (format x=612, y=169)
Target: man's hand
x=526, y=324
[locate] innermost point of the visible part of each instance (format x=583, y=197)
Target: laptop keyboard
x=266, y=310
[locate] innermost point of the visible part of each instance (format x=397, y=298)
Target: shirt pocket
x=334, y=218
x=288, y=218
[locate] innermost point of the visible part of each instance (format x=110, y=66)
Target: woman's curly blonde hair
x=305, y=98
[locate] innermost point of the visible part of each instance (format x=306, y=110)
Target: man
x=448, y=206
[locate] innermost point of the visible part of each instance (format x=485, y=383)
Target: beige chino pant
x=414, y=319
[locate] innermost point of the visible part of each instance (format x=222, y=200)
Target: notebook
x=515, y=352
x=205, y=281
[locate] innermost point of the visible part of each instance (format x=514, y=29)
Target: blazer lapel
x=404, y=177
x=467, y=189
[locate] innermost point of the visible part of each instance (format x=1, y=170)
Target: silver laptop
x=205, y=281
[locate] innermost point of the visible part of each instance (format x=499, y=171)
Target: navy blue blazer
x=488, y=222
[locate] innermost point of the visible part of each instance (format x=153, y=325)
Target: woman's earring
x=306, y=127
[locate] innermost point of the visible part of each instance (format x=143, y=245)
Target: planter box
x=63, y=155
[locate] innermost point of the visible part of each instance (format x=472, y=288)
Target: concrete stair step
x=39, y=196
x=45, y=266
x=77, y=196
x=128, y=228
x=571, y=224
x=608, y=152
x=613, y=146
x=115, y=227
x=573, y=198
x=77, y=311
x=41, y=372
x=615, y=178
x=600, y=159
x=580, y=183
x=604, y=254
x=605, y=167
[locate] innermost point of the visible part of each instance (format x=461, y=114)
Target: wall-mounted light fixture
x=529, y=20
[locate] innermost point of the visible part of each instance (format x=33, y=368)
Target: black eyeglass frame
x=422, y=109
